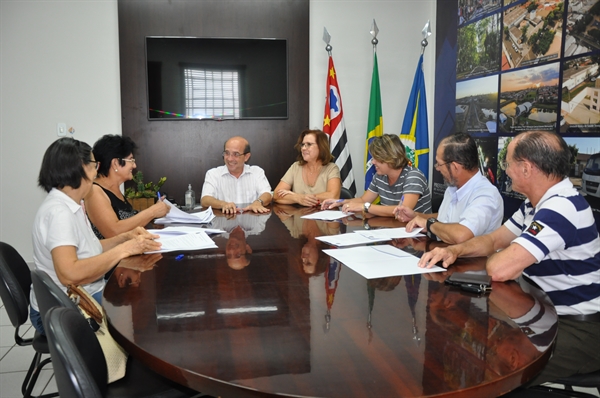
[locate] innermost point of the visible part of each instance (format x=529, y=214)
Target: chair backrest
x=48, y=294
x=15, y=284
x=346, y=194
x=77, y=358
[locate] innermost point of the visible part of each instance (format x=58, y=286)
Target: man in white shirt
x=472, y=206
x=236, y=184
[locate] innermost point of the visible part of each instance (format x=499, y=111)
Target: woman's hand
x=352, y=207
x=284, y=192
x=159, y=209
x=403, y=213
x=331, y=203
x=139, y=231
x=308, y=200
x=140, y=244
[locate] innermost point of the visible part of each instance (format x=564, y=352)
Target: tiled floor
x=15, y=360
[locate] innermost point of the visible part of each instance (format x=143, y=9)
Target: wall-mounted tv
x=191, y=78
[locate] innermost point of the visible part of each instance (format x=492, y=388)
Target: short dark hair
x=112, y=146
x=389, y=149
x=325, y=155
x=62, y=165
x=461, y=148
x=548, y=151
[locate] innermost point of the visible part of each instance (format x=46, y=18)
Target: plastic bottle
x=190, y=198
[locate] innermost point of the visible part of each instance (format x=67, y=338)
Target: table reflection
x=294, y=321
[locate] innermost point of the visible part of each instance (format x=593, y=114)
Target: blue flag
x=415, y=131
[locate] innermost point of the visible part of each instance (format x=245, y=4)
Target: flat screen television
x=191, y=78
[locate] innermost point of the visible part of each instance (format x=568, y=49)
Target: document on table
x=176, y=215
x=192, y=241
x=327, y=215
x=379, y=261
x=350, y=239
x=168, y=232
x=390, y=233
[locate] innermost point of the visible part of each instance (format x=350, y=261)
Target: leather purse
x=115, y=355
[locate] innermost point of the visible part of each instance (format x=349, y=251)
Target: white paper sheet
x=168, y=232
x=192, y=241
x=328, y=215
x=390, y=233
x=176, y=215
x=350, y=239
x=379, y=261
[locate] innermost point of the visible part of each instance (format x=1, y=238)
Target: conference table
x=268, y=313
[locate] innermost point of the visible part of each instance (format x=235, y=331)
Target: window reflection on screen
x=211, y=93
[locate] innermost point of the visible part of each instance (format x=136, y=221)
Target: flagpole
x=426, y=32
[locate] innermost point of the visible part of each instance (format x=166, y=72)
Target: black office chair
x=48, y=294
x=80, y=368
x=586, y=380
x=15, y=286
x=346, y=194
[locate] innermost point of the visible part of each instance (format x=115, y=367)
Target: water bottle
x=190, y=198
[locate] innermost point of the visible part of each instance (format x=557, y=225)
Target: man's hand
x=403, y=213
x=417, y=222
x=230, y=208
x=444, y=254
x=256, y=207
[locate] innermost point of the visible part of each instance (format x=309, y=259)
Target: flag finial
x=426, y=32
x=326, y=39
x=374, y=31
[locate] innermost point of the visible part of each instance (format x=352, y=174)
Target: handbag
x=115, y=355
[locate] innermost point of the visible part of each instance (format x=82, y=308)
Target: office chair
x=80, y=368
x=48, y=294
x=346, y=194
x=587, y=380
x=15, y=286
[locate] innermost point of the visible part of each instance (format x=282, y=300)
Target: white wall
x=348, y=22
x=60, y=63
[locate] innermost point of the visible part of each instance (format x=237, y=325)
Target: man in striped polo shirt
x=553, y=240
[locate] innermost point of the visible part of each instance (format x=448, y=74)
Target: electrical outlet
x=61, y=129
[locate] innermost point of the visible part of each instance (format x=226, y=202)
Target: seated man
x=553, y=240
x=472, y=206
x=236, y=183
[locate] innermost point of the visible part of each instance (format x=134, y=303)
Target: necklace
x=311, y=175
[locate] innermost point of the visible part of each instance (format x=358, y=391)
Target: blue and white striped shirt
x=561, y=234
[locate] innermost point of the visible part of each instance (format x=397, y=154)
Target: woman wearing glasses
x=64, y=245
x=107, y=208
x=395, y=182
x=313, y=177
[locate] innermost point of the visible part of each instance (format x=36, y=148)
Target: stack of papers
x=176, y=215
x=370, y=236
x=379, y=261
x=194, y=240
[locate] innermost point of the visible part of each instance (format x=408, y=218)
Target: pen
x=401, y=200
x=179, y=257
x=158, y=194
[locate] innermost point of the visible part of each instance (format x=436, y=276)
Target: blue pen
x=158, y=194
x=179, y=257
x=401, y=200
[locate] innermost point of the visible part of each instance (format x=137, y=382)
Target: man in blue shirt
x=553, y=240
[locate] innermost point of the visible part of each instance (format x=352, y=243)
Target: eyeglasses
x=504, y=164
x=234, y=154
x=96, y=164
x=438, y=165
x=132, y=160
x=307, y=144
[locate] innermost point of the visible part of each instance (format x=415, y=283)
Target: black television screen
x=216, y=78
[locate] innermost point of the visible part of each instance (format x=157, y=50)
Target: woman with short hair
x=395, y=181
x=108, y=209
x=64, y=245
x=314, y=177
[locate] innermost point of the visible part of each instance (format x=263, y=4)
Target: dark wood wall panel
x=183, y=150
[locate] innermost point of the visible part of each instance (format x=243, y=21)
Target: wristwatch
x=261, y=202
x=430, y=222
x=366, y=207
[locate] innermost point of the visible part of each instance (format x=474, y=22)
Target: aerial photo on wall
x=580, y=100
x=583, y=27
x=477, y=105
x=532, y=33
x=529, y=99
x=469, y=10
x=478, y=48
x=585, y=168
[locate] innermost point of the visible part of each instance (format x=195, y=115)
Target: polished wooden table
x=288, y=320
